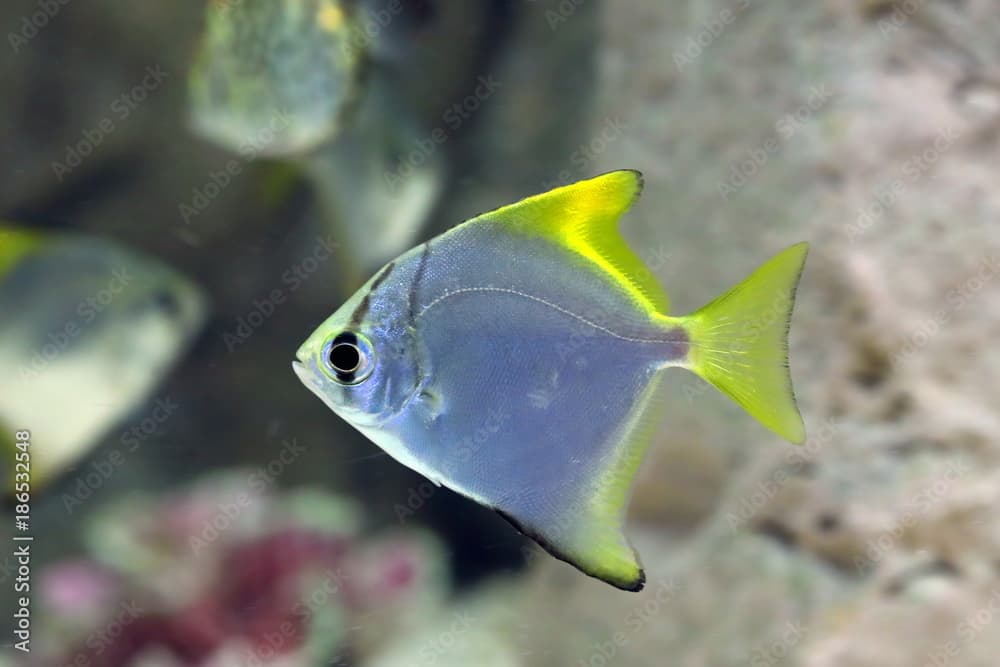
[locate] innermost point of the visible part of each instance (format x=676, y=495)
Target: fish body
x=518, y=360
x=87, y=330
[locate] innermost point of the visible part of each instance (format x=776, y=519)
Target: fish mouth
x=300, y=361
x=301, y=371
x=310, y=381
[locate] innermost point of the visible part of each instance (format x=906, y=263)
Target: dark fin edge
x=640, y=183
x=630, y=586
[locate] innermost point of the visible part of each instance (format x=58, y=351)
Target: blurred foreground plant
x=230, y=572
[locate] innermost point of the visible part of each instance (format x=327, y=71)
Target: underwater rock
x=718, y=599
x=891, y=339
x=852, y=495
x=693, y=95
x=481, y=627
x=900, y=277
x=924, y=612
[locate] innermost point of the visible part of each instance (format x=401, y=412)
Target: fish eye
x=348, y=358
x=345, y=357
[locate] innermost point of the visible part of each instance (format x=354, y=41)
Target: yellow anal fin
x=583, y=218
x=610, y=559
x=590, y=533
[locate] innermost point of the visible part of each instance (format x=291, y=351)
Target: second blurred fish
x=88, y=329
x=280, y=76
x=331, y=85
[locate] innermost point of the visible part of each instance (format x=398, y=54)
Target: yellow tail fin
x=739, y=343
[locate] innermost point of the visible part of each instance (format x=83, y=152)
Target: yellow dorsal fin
x=14, y=244
x=583, y=218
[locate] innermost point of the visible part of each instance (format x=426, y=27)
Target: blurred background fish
x=286, y=72
x=97, y=327
x=348, y=90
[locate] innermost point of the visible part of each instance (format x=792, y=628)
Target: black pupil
x=345, y=357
